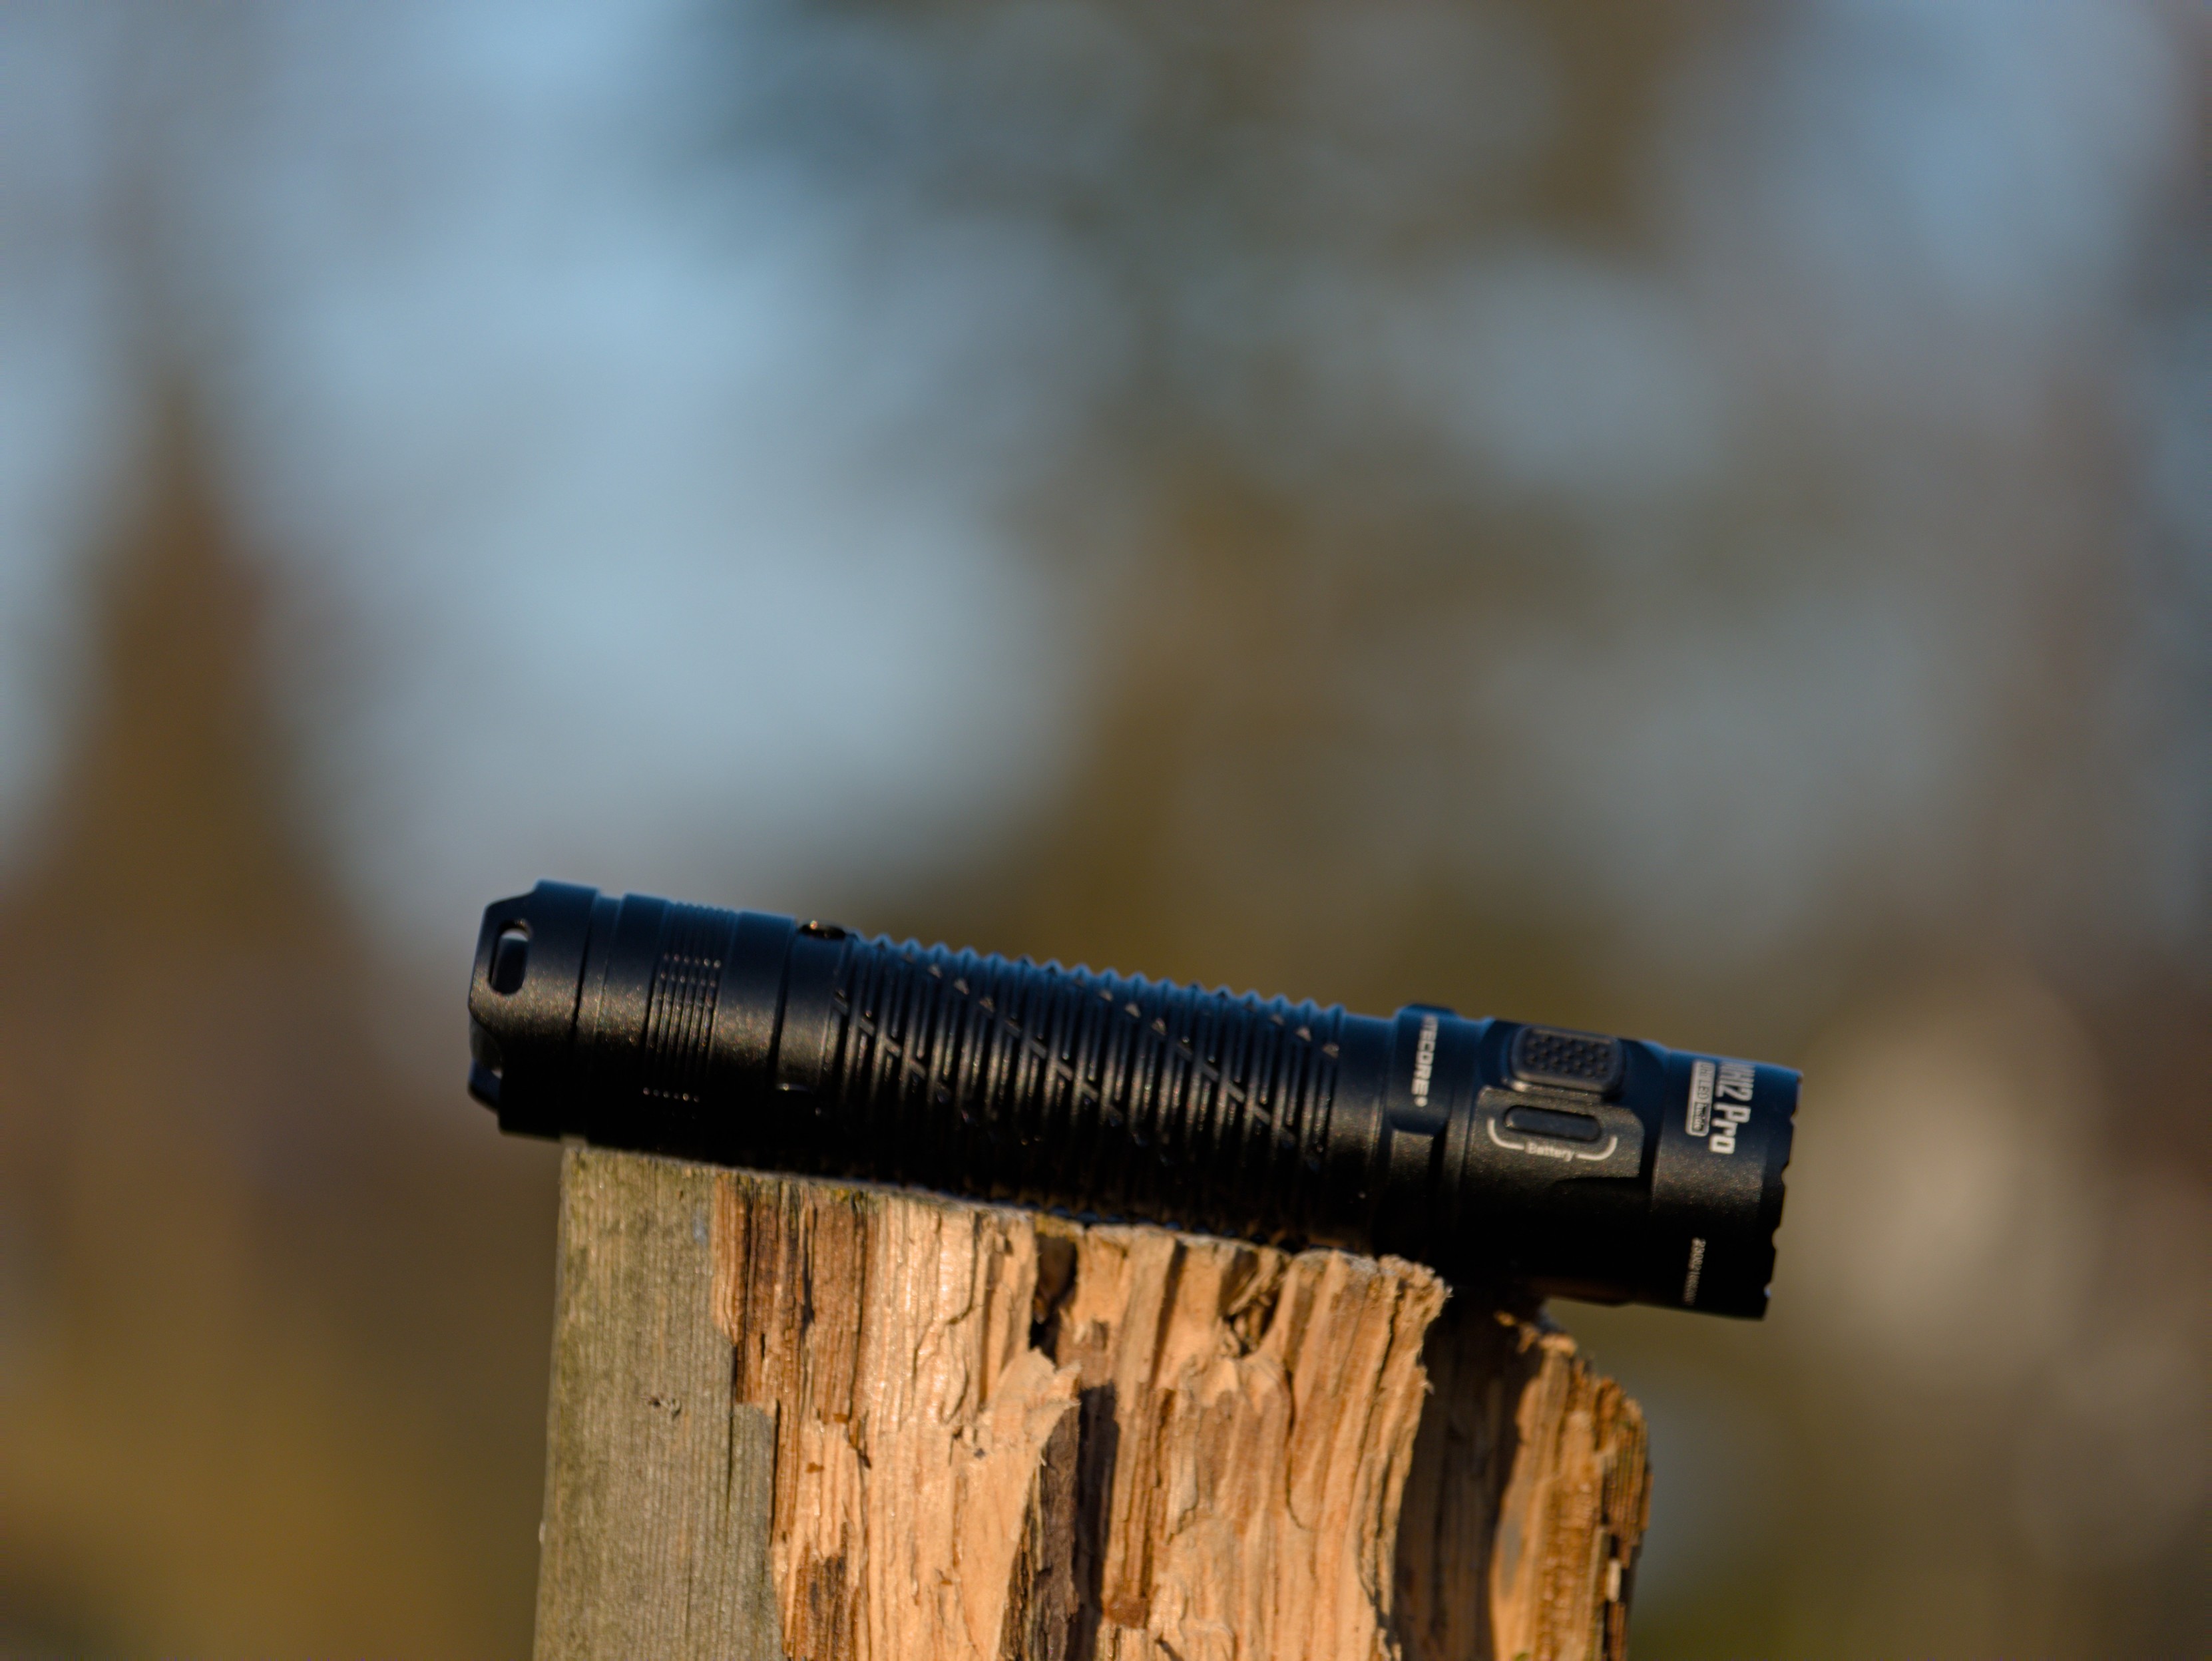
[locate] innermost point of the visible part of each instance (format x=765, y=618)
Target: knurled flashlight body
x=1578, y=1164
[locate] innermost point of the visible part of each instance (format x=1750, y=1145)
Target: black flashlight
x=1577, y=1164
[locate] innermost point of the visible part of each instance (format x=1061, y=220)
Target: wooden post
x=825, y=1421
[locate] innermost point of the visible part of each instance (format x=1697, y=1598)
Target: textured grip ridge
x=1043, y=1084
x=680, y=1009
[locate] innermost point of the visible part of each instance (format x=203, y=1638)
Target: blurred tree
x=267, y=1336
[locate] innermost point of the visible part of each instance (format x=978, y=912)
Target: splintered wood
x=816, y=1420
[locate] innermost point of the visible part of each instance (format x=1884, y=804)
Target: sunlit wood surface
x=819, y=1420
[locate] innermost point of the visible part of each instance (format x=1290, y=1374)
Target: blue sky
x=649, y=502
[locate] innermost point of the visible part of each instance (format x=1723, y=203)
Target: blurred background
x=1694, y=520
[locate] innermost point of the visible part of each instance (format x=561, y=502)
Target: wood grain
x=813, y=1419
x=657, y=1482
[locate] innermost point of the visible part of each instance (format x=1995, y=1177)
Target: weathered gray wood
x=839, y=1421
x=658, y=1482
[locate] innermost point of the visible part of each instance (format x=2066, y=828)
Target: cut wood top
x=820, y=1418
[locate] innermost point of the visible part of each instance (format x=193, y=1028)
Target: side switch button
x=1587, y=1061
